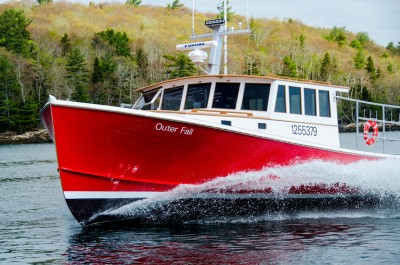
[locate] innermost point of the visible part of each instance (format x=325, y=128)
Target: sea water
x=36, y=226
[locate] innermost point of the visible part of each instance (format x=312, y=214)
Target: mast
x=198, y=56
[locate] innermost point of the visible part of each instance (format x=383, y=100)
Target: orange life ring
x=370, y=140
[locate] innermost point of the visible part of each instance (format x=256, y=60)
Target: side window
x=172, y=99
x=256, y=97
x=280, y=105
x=226, y=95
x=310, y=102
x=197, y=96
x=324, y=104
x=295, y=100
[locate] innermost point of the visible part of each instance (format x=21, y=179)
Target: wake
x=378, y=183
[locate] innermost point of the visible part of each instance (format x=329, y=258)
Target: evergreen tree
x=77, y=75
x=359, y=60
x=180, y=65
x=134, y=2
x=8, y=95
x=14, y=35
x=97, y=75
x=42, y=2
x=117, y=40
x=175, y=5
x=228, y=10
x=289, y=67
x=337, y=34
x=142, y=62
x=65, y=43
x=370, y=67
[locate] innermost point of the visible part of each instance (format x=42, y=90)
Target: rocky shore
x=39, y=136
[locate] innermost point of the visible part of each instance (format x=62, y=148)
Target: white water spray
x=381, y=178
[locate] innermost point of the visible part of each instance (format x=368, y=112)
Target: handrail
x=224, y=112
x=378, y=118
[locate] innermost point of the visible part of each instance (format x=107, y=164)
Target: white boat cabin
x=289, y=109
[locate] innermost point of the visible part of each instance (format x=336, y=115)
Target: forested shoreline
x=102, y=53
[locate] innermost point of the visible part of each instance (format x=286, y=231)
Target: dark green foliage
x=117, y=40
x=142, y=62
x=175, y=5
x=338, y=35
x=42, y=2
x=328, y=67
x=134, y=2
x=180, y=65
x=8, y=95
x=15, y=115
x=394, y=50
x=289, y=67
x=77, y=75
x=14, y=35
x=65, y=43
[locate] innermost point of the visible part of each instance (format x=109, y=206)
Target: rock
x=39, y=136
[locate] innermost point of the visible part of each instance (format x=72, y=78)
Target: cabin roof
x=244, y=78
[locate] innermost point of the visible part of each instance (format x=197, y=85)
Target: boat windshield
x=148, y=101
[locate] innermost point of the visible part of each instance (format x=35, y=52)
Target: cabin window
x=197, y=96
x=145, y=100
x=310, y=106
x=295, y=100
x=256, y=97
x=324, y=104
x=225, y=95
x=280, y=105
x=172, y=98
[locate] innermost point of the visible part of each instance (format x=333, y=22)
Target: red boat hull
x=109, y=152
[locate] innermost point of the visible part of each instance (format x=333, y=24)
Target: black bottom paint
x=100, y=211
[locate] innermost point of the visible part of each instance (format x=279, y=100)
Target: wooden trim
x=224, y=112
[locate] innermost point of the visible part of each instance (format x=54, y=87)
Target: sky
x=379, y=18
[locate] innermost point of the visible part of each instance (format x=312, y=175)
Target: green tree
x=328, y=67
x=359, y=60
x=338, y=35
x=142, y=61
x=8, y=94
x=370, y=67
x=289, y=67
x=363, y=37
x=14, y=35
x=42, y=2
x=175, y=5
x=65, y=43
x=77, y=76
x=180, y=65
x=117, y=40
x=134, y=2
x=228, y=10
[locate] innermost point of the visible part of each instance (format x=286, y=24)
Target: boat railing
x=387, y=118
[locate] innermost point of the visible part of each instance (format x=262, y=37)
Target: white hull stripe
x=109, y=194
x=146, y=195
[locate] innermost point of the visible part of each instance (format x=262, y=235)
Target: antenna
x=193, y=19
x=220, y=29
x=225, y=41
